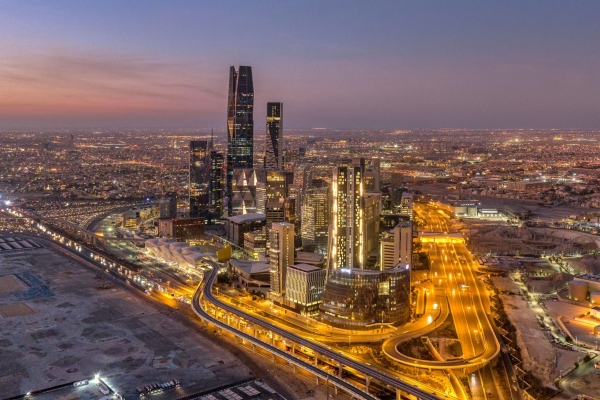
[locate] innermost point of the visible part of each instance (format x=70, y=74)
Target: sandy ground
x=557, y=308
x=565, y=360
x=9, y=283
x=589, y=383
x=538, y=354
x=79, y=330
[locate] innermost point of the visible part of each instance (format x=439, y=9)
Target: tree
x=587, y=358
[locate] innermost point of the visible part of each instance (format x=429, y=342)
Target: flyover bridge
x=204, y=296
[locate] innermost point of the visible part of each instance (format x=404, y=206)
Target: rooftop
x=245, y=218
x=305, y=267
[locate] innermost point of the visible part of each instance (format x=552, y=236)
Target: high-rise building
x=240, y=124
x=216, y=185
x=248, y=191
x=302, y=182
x=168, y=206
x=199, y=181
x=376, y=168
x=275, y=184
x=315, y=217
x=370, y=214
x=304, y=286
x=275, y=211
x=396, y=246
x=347, y=241
x=281, y=254
x=274, y=139
x=406, y=205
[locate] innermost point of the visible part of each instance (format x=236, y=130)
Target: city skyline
x=434, y=65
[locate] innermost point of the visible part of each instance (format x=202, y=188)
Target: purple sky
x=335, y=64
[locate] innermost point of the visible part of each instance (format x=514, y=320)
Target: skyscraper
x=281, y=254
x=347, y=241
x=274, y=139
x=199, y=178
x=406, y=205
x=216, y=185
x=240, y=124
x=396, y=246
x=315, y=219
x=168, y=206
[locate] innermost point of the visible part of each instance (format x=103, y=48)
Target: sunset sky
x=335, y=64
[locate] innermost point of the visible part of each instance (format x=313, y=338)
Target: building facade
x=316, y=216
x=274, y=138
x=347, y=241
x=359, y=299
x=396, y=246
x=240, y=123
x=215, y=201
x=281, y=254
x=167, y=206
x=248, y=191
x=406, y=205
x=238, y=225
x=304, y=286
x=199, y=179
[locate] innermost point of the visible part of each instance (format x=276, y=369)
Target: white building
x=396, y=246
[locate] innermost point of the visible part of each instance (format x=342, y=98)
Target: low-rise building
x=238, y=225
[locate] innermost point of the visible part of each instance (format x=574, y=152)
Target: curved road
x=452, y=274
x=204, y=290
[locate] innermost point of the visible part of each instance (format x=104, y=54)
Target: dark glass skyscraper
x=199, y=178
x=240, y=123
x=216, y=185
x=274, y=139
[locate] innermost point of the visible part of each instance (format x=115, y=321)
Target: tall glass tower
x=199, y=178
x=240, y=124
x=273, y=141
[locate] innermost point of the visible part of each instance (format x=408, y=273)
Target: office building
x=255, y=243
x=396, y=246
x=240, y=124
x=371, y=215
x=248, y=191
x=167, y=206
x=253, y=276
x=347, y=237
x=358, y=298
x=274, y=138
x=181, y=229
x=238, y=225
x=387, y=222
x=316, y=215
x=275, y=211
x=199, y=178
x=304, y=287
x=215, y=201
x=406, y=205
x=302, y=182
x=281, y=254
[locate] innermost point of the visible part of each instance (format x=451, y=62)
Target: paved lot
x=78, y=329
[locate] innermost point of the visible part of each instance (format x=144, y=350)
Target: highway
x=205, y=291
x=452, y=275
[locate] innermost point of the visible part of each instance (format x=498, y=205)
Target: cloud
x=70, y=81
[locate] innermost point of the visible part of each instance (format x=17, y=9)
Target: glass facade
x=274, y=139
x=357, y=298
x=199, y=178
x=240, y=123
x=216, y=185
